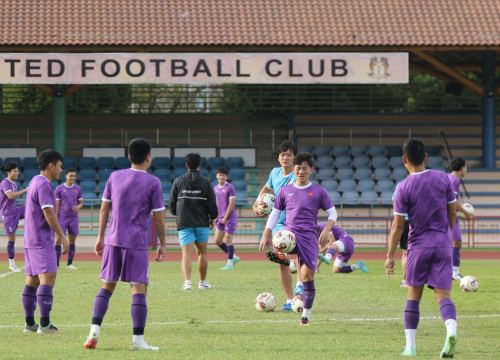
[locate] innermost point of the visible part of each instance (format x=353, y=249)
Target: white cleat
x=50, y=329
x=448, y=350
x=30, y=329
x=204, y=285
x=457, y=276
x=143, y=346
x=71, y=267
x=187, y=287
x=14, y=268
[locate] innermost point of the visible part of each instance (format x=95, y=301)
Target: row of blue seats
x=362, y=185
x=364, y=198
x=375, y=162
x=361, y=150
x=397, y=174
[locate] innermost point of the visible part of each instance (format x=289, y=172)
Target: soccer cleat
x=203, y=285
x=457, y=276
x=299, y=289
x=227, y=267
x=403, y=284
x=49, y=329
x=449, y=346
x=287, y=307
x=409, y=352
x=324, y=259
x=14, y=268
x=30, y=328
x=144, y=346
x=304, y=321
x=236, y=259
x=187, y=286
x=277, y=257
x=71, y=267
x=362, y=266
x=91, y=342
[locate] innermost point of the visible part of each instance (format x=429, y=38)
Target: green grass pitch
x=355, y=316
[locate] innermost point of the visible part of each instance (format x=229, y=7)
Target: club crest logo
x=379, y=68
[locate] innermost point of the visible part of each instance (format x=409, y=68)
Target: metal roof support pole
x=488, y=110
x=59, y=120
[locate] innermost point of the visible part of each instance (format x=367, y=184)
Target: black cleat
x=278, y=258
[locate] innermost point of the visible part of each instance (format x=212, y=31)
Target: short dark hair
x=67, y=171
x=11, y=166
x=415, y=151
x=47, y=157
x=193, y=161
x=138, y=150
x=222, y=170
x=304, y=158
x=457, y=164
x=285, y=146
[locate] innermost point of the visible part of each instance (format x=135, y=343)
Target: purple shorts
x=457, y=235
x=70, y=225
x=128, y=265
x=228, y=227
x=306, y=249
x=39, y=261
x=348, y=242
x=431, y=266
x=11, y=221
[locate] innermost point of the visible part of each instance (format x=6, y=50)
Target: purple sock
x=447, y=309
x=230, y=252
x=223, y=247
x=29, y=304
x=44, y=299
x=100, y=306
x=411, y=314
x=71, y=253
x=331, y=251
x=58, y=253
x=139, y=313
x=456, y=256
x=10, y=249
x=309, y=294
x=346, y=269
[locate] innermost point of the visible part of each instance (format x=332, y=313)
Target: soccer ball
x=467, y=207
x=293, y=266
x=265, y=302
x=265, y=203
x=284, y=241
x=469, y=284
x=298, y=304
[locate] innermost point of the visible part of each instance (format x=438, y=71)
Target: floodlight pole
x=488, y=110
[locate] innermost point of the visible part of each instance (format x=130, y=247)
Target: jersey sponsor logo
x=310, y=194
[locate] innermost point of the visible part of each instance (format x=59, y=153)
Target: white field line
x=270, y=321
x=4, y=275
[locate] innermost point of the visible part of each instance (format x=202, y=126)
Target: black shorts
x=403, y=242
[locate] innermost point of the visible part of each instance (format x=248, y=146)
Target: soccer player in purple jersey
x=227, y=220
x=302, y=201
x=11, y=214
x=342, y=244
x=428, y=199
x=131, y=195
x=459, y=169
x=69, y=201
x=39, y=256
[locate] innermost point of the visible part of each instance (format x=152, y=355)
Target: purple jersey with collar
x=68, y=196
x=133, y=195
x=425, y=196
x=222, y=195
x=7, y=207
x=37, y=232
x=455, y=185
x=342, y=235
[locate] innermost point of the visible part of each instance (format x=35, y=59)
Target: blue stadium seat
x=216, y=162
x=326, y=174
x=394, y=151
x=101, y=186
x=385, y=186
x=435, y=162
x=396, y=162
x=15, y=160
x=161, y=163
x=342, y=162
x=239, y=185
x=29, y=163
x=347, y=185
x=178, y=162
x=386, y=198
x=166, y=197
x=345, y=174
x=322, y=150
x=235, y=162
x=399, y=174
x=1, y=163
x=433, y=150
x=203, y=162
x=305, y=149
x=350, y=198
x=86, y=163
x=382, y=174
x=241, y=199
x=204, y=172
x=363, y=174
x=335, y=196
x=166, y=186
x=105, y=162
x=366, y=185
x=87, y=174
x=178, y=172
x=329, y=185
x=87, y=186
x=237, y=174
x=340, y=150
x=324, y=162
x=122, y=163
x=104, y=174
x=369, y=198
x=361, y=162
x=70, y=162
x=163, y=174
x=376, y=150
x=90, y=198
x=379, y=161
x=29, y=174
x=359, y=150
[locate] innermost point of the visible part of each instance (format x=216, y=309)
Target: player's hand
x=256, y=210
x=65, y=245
x=211, y=225
x=390, y=265
x=468, y=215
x=223, y=221
x=75, y=209
x=160, y=253
x=264, y=242
x=98, y=248
x=323, y=238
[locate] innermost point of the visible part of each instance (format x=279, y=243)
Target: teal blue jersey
x=275, y=182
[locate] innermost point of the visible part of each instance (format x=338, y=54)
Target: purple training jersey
x=68, y=196
x=133, y=194
x=425, y=196
x=7, y=207
x=455, y=185
x=37, y=232
x=222, y=195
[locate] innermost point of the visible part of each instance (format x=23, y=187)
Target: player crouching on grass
x=302, y=200
x=342, y=244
